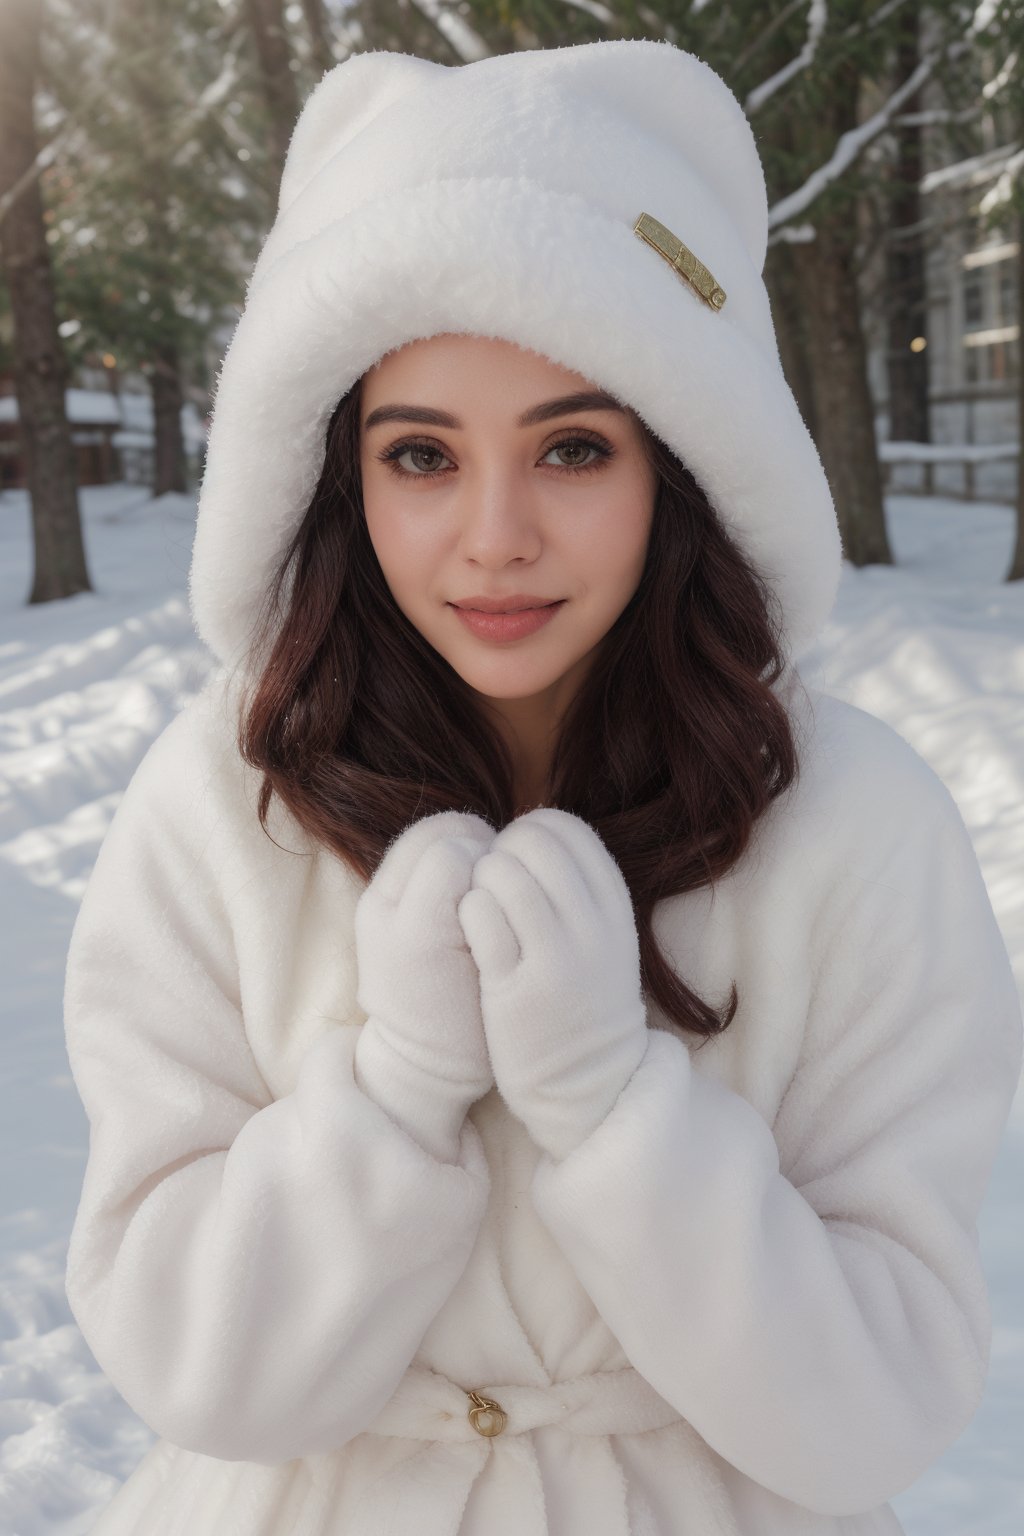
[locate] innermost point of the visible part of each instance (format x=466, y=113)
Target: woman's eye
x=418, y=452
x=578, y=448
x=578, y=455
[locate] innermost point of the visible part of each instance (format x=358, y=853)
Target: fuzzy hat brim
x=552, y=272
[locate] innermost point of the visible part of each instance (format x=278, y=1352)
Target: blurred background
x=141, y=147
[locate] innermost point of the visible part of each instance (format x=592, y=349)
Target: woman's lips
x=507, y=626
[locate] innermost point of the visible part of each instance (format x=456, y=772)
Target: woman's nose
x=499, y=521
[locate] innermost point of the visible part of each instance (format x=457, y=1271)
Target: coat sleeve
x=253, y=1274
x=822, y=1321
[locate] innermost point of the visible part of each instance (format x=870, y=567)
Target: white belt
x=428, y=1406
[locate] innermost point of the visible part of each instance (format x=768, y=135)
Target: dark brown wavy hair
x=673, y=746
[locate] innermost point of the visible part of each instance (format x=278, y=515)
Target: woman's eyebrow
x=565, y=405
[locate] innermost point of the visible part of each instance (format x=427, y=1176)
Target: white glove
x=422, y=1055
x=550, y=923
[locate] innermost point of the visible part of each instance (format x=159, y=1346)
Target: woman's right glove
x=422, y=1054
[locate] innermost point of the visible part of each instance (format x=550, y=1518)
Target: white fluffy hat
x=501, y=198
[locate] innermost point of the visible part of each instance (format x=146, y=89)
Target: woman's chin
x=499, y=692
x=508, y=679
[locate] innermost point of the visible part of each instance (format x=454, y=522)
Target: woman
x=543, y=1072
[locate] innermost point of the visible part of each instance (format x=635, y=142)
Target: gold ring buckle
x=486, y=1408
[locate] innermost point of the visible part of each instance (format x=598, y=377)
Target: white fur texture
x=550, y=923
x=498, y=198
x=740, y=1294
x=749, y=1302
x=414, y=966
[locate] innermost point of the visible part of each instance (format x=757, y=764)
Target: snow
x=934, y=645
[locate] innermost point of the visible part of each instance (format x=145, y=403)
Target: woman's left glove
x=550, y=924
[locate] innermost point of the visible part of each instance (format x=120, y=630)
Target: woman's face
x=482, y=480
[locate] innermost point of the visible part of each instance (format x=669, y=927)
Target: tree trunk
x=169, y=460
x=266, y=22
x=40, y=366
x=1017, y=567
x=906, y=310
x=844, y=407
x=790, y=316
x=829, y=291
x=319, y=41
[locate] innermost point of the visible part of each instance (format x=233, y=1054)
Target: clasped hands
x=506, y=958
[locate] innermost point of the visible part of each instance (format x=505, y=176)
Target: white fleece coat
x=750, y=1303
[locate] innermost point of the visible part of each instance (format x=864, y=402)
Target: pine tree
x=155, y=219
x=40, y=365
x=1003, y=206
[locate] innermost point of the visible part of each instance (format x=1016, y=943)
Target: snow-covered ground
x=935, y=646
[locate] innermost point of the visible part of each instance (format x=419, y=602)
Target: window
x=991, y=343
x=993, y=362
x=1007, y=312
x=974, y=298
x=999, y=361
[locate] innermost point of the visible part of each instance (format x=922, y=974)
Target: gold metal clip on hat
x=681, y=258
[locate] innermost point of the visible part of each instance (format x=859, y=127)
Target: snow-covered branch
x=1002, y=189
x=593, y=8
x=464, y=41
x=976, y=168
x=1001, y=78
x=794, y=234
x=756, y=43
x=225, y=82
x=44, y=158
x=936, y=115
x=851, y=144
x=209, y=98
x=817, y=20
x=874, y=20
x=49, y=152
x=658, y=25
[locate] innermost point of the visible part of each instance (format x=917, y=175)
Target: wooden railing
x=931, y=455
